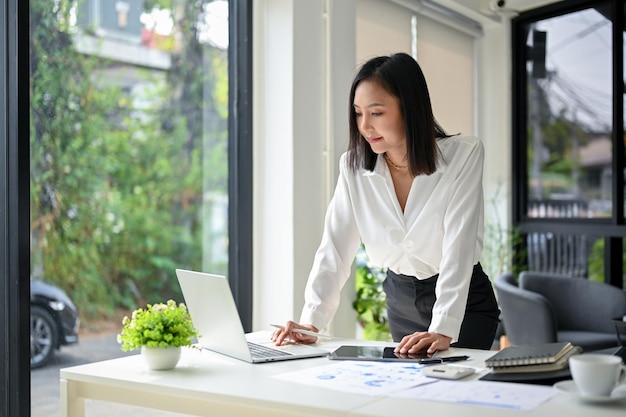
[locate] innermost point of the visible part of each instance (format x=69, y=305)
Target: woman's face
x=379, y=118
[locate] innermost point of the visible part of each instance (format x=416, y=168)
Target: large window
x=569, y=137
x=129, y=135
x=136, y=164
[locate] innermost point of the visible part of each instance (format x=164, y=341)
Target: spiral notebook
x=528, y=355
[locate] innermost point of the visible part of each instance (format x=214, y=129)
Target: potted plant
x=159, y=330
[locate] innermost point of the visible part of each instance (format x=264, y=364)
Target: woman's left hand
x=420, y=341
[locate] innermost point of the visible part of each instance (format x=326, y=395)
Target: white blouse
x=440, y=232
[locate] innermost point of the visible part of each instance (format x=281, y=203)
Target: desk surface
x=209, y=384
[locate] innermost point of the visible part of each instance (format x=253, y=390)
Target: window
x=569, y=95
x=114, y=134
x=129, y=135
x=569, y=137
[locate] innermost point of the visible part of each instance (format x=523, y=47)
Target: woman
x=413, y=196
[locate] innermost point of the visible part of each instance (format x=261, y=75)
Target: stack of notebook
x=533, y=358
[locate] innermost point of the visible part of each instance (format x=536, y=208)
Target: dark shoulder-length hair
x=401, y=76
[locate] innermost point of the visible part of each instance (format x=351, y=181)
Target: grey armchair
x=547, y=308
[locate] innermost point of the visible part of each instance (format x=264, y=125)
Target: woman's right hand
x=286, y=334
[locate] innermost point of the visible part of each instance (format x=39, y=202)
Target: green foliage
x=66, y=125
x=596, y=270
x=370, y=303
x=158, y=325
x=596, y=261
x=117, y=175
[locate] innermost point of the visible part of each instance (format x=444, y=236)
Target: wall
x=303, y=66
x=494, y=125
x=382, y=27
x=447, y=57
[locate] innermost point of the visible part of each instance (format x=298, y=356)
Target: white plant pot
x=159, y=358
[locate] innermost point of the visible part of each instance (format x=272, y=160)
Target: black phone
x=374, y=353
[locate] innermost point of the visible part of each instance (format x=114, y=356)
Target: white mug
x=596, y=375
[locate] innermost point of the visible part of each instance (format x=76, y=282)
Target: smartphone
x=374, y=353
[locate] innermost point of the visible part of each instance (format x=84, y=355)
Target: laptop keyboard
x=260, y=351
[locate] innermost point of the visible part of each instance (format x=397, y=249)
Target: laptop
x=212, y=307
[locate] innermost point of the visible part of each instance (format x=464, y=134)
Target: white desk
x=208, y=384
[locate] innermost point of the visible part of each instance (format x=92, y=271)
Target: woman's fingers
x=287, y=333
x=423, y=341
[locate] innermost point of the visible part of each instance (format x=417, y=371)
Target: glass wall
x=129, y=163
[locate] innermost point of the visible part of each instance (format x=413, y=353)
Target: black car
x=54, y=321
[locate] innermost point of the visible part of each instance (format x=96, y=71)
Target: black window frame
x=14, y=209
x=240, y=157
x=613, y=229
x=15, y=189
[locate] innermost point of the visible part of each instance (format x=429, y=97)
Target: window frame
x=240, y=157
x=14, y=213
x=612, y=229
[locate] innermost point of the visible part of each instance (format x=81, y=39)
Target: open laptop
x=212, y=308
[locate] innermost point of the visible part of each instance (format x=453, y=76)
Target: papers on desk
x=483, y=393
x=405, y=380
x=361, y=377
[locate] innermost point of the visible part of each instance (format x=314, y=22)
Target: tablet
x=374, y=353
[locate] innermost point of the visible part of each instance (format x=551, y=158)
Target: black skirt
x=410, y=303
